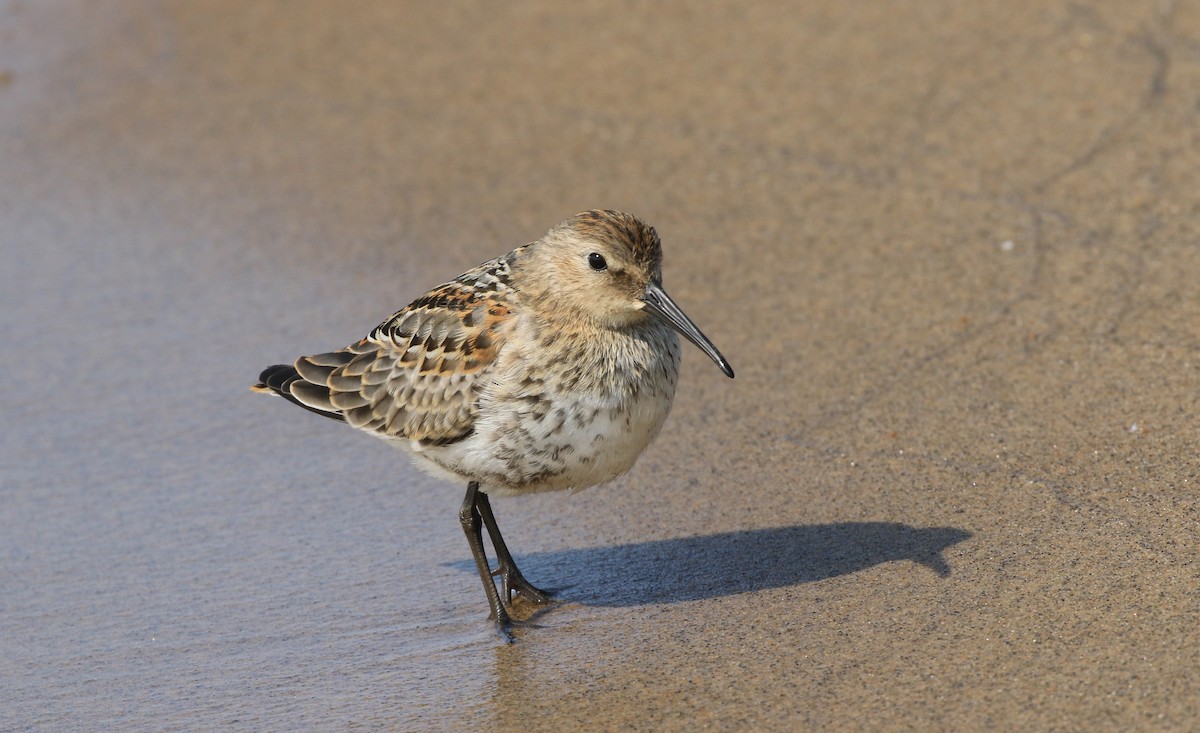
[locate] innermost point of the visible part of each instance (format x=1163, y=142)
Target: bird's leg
x=472, y=523
x=510, y=576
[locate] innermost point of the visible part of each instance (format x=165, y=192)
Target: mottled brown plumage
x=549, y=368
x=416, y=375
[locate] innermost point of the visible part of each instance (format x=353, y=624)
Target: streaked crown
x=620, y=231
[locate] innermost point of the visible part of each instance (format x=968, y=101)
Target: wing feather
x=419, y=373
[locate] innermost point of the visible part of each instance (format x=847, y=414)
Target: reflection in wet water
x=648, y=633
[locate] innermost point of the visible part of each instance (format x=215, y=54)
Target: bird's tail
x=288, y=383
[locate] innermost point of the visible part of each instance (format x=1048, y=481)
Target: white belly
x=537, y=432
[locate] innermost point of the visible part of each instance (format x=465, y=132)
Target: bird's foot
x=511, y=581
x=528, y=591
x=504, y=629
x=506, y=626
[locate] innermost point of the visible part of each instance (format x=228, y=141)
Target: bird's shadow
x=711, y=566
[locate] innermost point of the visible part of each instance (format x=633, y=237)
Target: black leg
x=510, y=577
x=472, y=523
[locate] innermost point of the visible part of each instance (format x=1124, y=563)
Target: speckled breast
x=576, y=414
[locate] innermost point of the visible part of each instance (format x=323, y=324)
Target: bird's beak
x=660, y=304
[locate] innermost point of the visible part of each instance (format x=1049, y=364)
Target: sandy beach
x=950, y=249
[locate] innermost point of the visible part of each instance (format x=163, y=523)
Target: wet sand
x=950, y=250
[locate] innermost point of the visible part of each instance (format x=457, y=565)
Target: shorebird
x=549, y=368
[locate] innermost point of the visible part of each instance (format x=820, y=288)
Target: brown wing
x=418, y=374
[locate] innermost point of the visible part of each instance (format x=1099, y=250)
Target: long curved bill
x=660, y=304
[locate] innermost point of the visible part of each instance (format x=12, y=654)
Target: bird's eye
x=597, y=261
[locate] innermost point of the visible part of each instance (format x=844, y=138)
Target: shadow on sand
x=694, y=568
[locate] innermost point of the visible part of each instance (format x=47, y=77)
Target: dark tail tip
x=277, y=378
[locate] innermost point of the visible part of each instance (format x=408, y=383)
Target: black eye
x=596, y=260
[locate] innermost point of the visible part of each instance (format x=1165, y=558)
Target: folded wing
x=419, y=373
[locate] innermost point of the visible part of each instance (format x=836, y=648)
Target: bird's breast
x=570, y=415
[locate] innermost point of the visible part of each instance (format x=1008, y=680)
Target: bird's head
x=606, y=266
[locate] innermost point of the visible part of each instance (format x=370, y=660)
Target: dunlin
x=550, y=368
